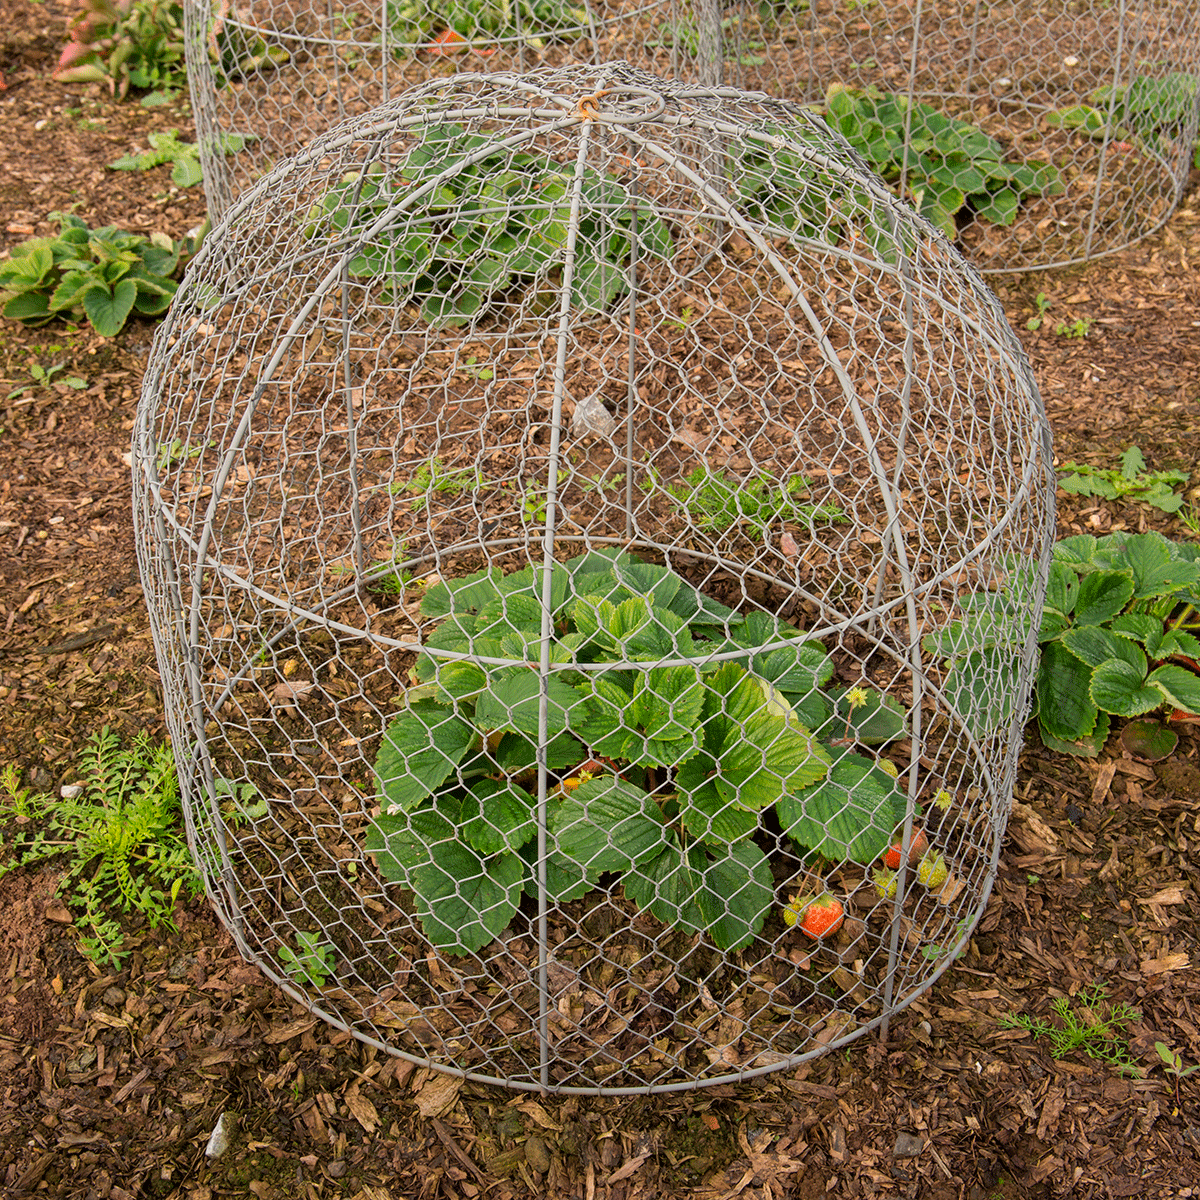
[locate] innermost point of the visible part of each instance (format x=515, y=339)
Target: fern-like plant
x=121, y=833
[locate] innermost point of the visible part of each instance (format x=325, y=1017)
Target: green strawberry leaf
x=850, y=815
x=421, y=749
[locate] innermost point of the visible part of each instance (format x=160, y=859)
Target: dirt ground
x=111, y=1084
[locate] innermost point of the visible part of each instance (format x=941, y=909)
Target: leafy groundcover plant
x=1118, y=639
x=105, y=275
x=952, y=164
x=497, y=223
x=684, y=742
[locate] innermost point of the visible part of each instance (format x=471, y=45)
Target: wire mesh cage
x=1042, y=132
x=266, y=76
x=595, y=538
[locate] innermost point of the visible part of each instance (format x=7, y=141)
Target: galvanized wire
x=1108, y=93
x=667, y=345
x=276, y=73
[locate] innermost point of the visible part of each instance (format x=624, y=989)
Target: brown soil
x=111, y=1083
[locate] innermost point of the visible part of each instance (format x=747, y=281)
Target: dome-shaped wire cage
x=266, y=76
x=595, y=538
x=1041, y=132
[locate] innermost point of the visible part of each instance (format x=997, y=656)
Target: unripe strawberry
x=932, y=871
x=916, y=847
x=885, y=883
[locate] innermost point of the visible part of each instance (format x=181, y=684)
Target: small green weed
x=43, y=377
x=434, y=476
x=1078, y=328
x=311, y=963
x=715, y=502
x=1100, y=1034
x=184, y=157
x=1173, y=1065
x=1035, y=322
x=1132, y=481
x=120, y=835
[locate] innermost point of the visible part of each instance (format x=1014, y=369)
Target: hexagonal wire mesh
x=584, y=518
x=1106, y=93
x=269, y=75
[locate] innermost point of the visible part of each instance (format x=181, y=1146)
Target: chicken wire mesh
x=1078, y=120
x=594, y=538
x=266, y=76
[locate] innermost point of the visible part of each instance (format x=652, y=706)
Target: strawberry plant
x=105, y=275
x=1131, y=481
x=462, y=22
x=681, y=740
x=952, y=165
x=490, y=222
x=1118, y=636
x=126, y=44
x=184, y=157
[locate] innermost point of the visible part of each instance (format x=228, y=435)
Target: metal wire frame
x=279, y=72
x=1012, y=69
x=247, y=496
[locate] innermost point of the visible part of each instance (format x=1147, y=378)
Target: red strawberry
x=449, y=41
x=816, y=917
x=916, y=848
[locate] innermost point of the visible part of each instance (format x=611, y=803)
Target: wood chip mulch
x=112, y=1084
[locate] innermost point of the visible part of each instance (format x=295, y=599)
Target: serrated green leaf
x=1101, y=596
x=1078, y=551
x=496, y=816
x=1088, y=746
x=1138, y=626
x=1155, y=571
x=421, y=748
x=1065, y=707
x=706, y=815
x=401, y=841
x=667, y=703
x=1178, y=686
x=608, y=824
x=511, y=702
x=1120, y=688
x=464, y=901
x=735, y=895
x=850, y=815
x=766, y=760
x=1096, y=645
x=1132, y=463
x=516, y=753
x=665, y=884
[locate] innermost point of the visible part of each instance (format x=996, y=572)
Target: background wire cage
x=584, y=517
x=267, y=76
x=1106, y=93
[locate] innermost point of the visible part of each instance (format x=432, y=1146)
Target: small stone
x=537, y=1154
x=908, y=1145
x=218, y=1141
x=69, y=791
x=113, y=996
x=335, y=1169
x=1070, y=61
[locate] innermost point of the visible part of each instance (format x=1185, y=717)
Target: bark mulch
x=112, y=1083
